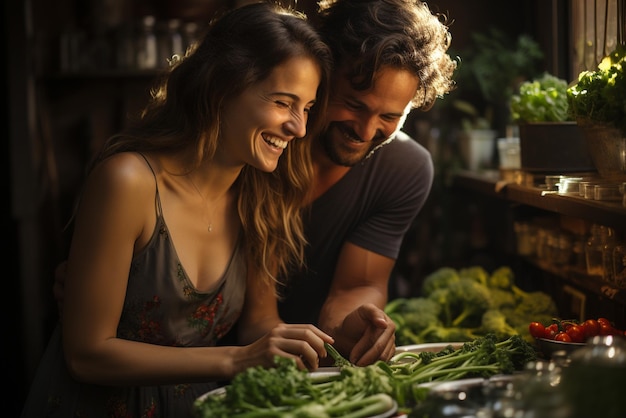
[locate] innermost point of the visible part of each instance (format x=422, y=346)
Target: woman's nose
x=297, y=124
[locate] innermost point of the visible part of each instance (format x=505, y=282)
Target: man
x=371, y=180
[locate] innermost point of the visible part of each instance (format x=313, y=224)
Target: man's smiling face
x=358, y=121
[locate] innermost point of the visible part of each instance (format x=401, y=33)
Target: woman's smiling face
x=259, y=124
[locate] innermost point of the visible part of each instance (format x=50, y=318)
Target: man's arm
x=353, y=312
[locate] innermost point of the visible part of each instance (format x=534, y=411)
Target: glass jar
x=526, y=238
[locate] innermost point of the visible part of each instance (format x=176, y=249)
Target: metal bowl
x=548, y=348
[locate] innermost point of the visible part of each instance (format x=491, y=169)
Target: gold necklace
x=210, y=227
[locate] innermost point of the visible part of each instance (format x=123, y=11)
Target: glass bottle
x=170, y=42
x=596, y=252
x=147, y=44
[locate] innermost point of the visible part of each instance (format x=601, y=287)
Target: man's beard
x=341, y=155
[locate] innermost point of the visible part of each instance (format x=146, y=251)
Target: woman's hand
x=303, y=343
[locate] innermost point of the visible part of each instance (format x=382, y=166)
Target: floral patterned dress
x=161, y=307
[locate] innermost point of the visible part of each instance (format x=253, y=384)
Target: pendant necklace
x=210, y=227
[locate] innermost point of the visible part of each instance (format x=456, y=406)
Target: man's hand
x=372, y=334
x=58, y=288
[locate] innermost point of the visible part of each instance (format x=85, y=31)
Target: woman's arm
x=116, y=217
x=260, y=322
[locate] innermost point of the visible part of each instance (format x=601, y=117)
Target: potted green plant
x=598, y=103
x=490, y=69
x=550, y=140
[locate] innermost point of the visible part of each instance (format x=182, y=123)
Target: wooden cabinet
x=502, y=206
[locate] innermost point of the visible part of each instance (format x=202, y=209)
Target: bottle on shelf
x=599, y=252
x=147, y=44
x=170, y=42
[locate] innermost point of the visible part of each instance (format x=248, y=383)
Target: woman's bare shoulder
x=124, y=172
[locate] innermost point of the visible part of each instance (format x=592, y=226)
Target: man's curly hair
x=367, y=35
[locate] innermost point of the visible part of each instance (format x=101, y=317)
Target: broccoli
x=411, y=316
x=338, y=359
x=445, y=334
x=494, y=321
x=422, y=313
x=441, y=297
x=476, y=273
x=482, y=357
x=439, y=279
x=502, y=278
x=535, y=304
x=286, y=391
x=468, y=300
x=501, y=299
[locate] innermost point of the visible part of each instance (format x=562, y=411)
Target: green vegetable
x=453, y=311
x=494, y=321
x=412, y=316
x=339, y=360
x=541, y=100
x=476, y=273
x=359, y=392
x=468, y=300
x=483, y=357
x=600, y=95
x=439, y=279
x=286, y=391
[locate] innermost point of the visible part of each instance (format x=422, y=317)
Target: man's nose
x=368, y=128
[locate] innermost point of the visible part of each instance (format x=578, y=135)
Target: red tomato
x=537, y=330
x=551, y=331
x=591, y=327
x=576, y=333
x=562, y=336
x=604, y=321
x=606, y=329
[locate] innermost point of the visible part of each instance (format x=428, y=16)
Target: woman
x=184, y=222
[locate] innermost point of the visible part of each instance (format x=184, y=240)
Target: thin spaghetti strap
x=156, y=185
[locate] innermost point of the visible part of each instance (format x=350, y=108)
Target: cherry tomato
x=576, y=333
x=537, y=330
x=551, y=331
x=604, y=321
x=606, y=329
x=562, y=336
x=591, y=327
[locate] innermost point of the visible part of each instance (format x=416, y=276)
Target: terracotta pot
x=607, y=147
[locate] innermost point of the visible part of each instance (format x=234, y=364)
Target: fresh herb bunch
x=286, y=391
x=543, y=99
x=354, y=392
x=600, y=95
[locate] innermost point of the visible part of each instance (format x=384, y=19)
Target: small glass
x=607, y=192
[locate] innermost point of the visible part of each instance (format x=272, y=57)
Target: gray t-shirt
x=372, y=206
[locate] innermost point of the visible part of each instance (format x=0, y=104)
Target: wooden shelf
x=609, y=213
x=489, y=184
